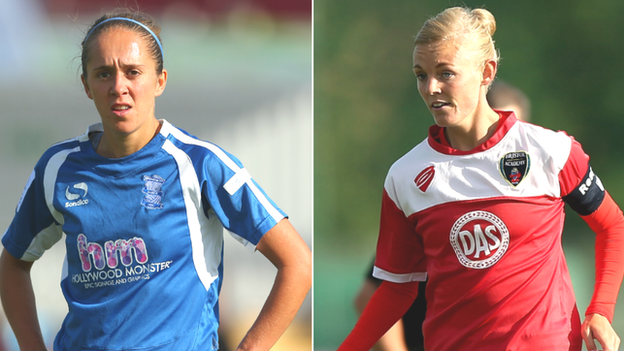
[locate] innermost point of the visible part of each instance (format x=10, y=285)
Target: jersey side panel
x=206, y=233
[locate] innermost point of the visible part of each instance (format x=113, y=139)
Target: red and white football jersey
x=484, y=227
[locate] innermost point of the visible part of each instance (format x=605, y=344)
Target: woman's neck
x=480, y=130
x=117, y=146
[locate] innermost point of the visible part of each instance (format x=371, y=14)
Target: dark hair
x=95, y=29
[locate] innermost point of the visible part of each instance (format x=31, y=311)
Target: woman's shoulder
x=62, y=149
x=418, y=157
x=421, y=152
x=188, y=141
x=539, y=130
x=547, y=138
x=196, y=148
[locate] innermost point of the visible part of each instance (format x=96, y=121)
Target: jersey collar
x=438, y=141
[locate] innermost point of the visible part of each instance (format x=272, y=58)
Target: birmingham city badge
x=514, y=166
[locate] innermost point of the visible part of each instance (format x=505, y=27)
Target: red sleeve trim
x=387, y=305
x=574, y=169
x=399, y=249
x=608, y=224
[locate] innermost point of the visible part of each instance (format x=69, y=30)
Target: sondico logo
x=77, y=195
x=479, y=239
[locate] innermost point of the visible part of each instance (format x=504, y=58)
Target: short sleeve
x=400, y=253
x=241, y=205
x=33, y=229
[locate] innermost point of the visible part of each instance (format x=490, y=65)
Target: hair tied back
x=133, y=21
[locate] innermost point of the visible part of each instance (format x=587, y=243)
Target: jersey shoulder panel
x=557, y=144
x=240, y=203
x=202, y=152
x=526, y=162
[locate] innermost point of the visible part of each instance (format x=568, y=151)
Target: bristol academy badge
x=514, y=166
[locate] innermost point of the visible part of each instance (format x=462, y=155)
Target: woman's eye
x=133, y=72
x=103, y=75
x=421, y=76
x=447, y=74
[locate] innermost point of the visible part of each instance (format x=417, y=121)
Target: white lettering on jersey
x=77, y=199
x=583, y=188
x=479, y=239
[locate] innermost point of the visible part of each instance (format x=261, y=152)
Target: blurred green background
x=566, y=55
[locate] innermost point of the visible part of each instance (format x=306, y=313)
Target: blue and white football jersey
x=144, y=238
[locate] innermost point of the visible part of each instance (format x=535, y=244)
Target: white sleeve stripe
x=237, y=181
x=65, y=269
x=53, y=233
x=49, y=179
x=229, y=163
x=273, y=212
x=399, y=278
x=28, y=184
x=246, y=243
x=44, y=240
x=207, y=270
x=212, y=147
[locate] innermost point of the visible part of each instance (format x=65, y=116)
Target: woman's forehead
x=120, y=35
x=119, y=43
x=436, y=53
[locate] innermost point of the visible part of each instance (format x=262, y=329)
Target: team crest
x=152, y=191
x=424, y=178
x=514, y=166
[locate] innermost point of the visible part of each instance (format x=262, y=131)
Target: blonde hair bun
x=473, y=27
x=486, y=18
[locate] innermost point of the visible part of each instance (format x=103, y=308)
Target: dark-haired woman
x=143, y=205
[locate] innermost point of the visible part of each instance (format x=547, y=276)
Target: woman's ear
x=161, y=82
x=489, y=72
x=86, y=87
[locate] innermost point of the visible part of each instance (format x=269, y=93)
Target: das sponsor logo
x=479, y=239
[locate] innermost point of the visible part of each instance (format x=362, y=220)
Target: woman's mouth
x=439, y=104
x=120, y=110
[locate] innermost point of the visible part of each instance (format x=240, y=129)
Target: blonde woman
x=477, y=210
